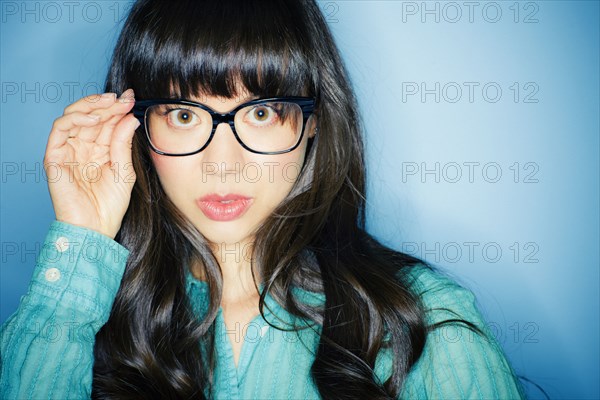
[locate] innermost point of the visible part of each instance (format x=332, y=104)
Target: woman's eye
x=262, y=115
x=182, y=118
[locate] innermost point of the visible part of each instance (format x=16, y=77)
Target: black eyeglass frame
x=307, y=104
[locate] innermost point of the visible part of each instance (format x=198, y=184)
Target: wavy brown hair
x=315, y=239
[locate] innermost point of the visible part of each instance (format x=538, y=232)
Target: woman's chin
x=225, y=234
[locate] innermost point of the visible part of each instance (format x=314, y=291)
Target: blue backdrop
x=482, y=129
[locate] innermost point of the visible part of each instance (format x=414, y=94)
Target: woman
x=228, y=252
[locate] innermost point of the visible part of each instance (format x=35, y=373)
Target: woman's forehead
x=239, y=93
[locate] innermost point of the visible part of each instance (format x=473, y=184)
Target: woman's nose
x=224, y=151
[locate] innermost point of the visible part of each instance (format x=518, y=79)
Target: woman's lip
x=224, y=208
x=217, y=197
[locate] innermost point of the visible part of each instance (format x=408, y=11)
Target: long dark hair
x=315, y=239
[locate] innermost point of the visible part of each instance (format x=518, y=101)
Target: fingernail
x=127, y=96
x=109, y=96
x=93, y=117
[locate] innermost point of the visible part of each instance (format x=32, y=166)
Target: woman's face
x=225, y=190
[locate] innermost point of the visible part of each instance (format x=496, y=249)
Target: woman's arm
x=46, y=346
x=458, y=363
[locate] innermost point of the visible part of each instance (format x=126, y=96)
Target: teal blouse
x=46, y=346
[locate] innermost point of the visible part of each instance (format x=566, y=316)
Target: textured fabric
x=47, y=344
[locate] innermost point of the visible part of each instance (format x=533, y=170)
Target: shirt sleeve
x=47, y=344
x=457, y=363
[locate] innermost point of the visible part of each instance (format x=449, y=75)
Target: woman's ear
x=312, y=126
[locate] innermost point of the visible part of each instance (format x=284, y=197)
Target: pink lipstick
x=224, y=208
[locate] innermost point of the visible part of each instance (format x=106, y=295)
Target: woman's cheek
x=170, y=172
x=291, y=163
x=286, y=173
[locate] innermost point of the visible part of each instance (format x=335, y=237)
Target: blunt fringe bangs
x=199, y=48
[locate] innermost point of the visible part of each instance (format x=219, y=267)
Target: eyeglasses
x=263, y=126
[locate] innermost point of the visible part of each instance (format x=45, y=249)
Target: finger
x=63, y=127
x=91, y=103
x=106, y=132
x=121, y=141
x=99, y=102
x=109, y=118
x=110, y=122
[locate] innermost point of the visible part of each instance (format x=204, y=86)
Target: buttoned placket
x=226, y=367
x=255, y=334
x=53, y=274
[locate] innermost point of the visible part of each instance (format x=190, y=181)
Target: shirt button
x=62, y=244
x=52, y=274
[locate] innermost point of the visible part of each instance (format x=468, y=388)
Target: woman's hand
x=88, y=162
